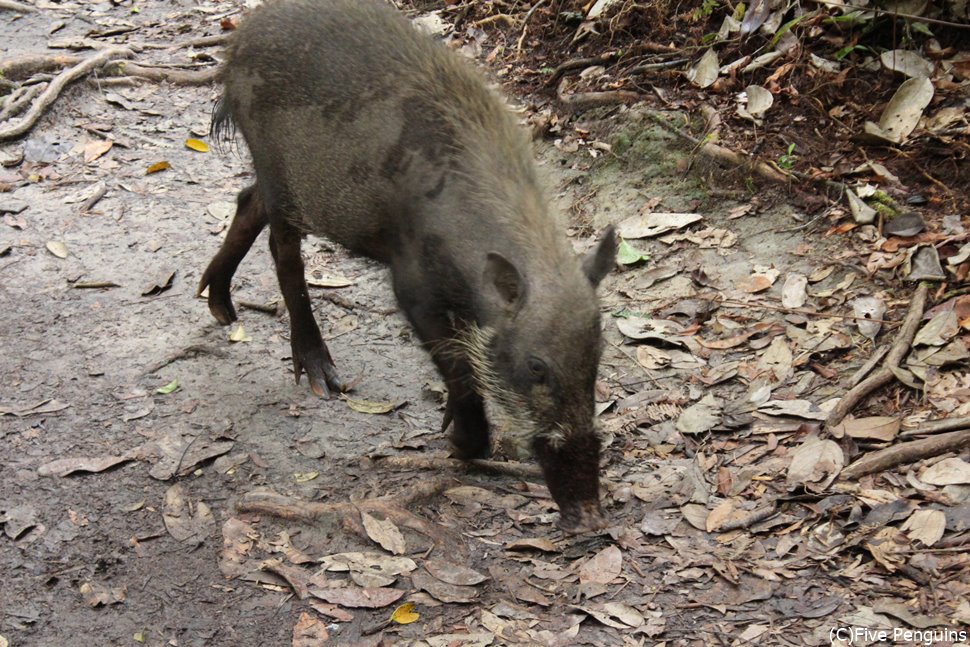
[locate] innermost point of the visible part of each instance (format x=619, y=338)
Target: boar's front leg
x=249, y=220
x=310, y=354
x=465, y=409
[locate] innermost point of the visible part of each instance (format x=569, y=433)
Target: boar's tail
x=222, y=129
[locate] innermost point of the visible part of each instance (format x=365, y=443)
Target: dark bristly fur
x=380, y=138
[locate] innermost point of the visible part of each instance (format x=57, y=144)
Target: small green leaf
x=627, y=255
x=239, y=334
x=168, y=388
x=304, y=477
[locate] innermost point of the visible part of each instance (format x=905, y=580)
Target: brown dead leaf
x=925, y=526
x=185, y=519
x=356, y=597
x=384, y=532
x=97, y=595
x=443, y=591
x=309, y=632
x=603, y=567
x=532, y=543
x=816, y=461
x=95, y=149
x=160, y=284
x=882, y=428
x=297, y=578
x=330, y=610
x=237, y=540
x=759, y=281
x=65, y=466
x=453, y=573
x=949, y=471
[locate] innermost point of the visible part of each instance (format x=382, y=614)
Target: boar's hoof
x=581, y=517
x=321, y=373
x=220, y=303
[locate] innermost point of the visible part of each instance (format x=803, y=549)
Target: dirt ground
x=132, y=426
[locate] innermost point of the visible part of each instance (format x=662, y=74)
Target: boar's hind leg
x=249, y=220
x=310, y=354
x=465, y=410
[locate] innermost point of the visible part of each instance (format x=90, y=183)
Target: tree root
x=510, y=468
x=53, y=90
x=12, y=5
x=125, y=69
x=22, y=67
x=586, y=100
x=907, y=453
x=394, y=507
x=884, y=375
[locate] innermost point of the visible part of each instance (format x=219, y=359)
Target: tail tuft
x=222, y=129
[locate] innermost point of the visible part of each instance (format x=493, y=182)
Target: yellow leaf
x=404, y=614
x=57, y=248
x=156, y=167
x=197, y=145
x=303, y=477
x=368, y=406
x=239, y=335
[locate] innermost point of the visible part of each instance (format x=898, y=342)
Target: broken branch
x=910, y=452
x=510, y=468
x=885, y=374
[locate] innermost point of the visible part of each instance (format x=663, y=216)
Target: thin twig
x=525, y=25
x=506, y=468
x=937, y=426
x=576, y=63
x=25, y=66
x=53, y=90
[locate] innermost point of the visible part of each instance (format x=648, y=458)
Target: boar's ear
x=601, y=260
x=503, y=281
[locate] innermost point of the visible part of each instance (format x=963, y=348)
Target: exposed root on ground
x=56, y=86
x=394, y=507
x=503, y=468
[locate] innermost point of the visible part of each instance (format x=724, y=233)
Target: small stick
x=95, y=198
x=751, y=518
x=525, y=25
x=651, y=67
x=576, y=63
x=50, y=95
x=499, y=17
x=189, y=351
x=884, y=375
x=268, y=308
x=870, y=364
x=909, y=452
x=936, y=426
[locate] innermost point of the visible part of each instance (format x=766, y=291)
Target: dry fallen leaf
x=57, y=248
x=65, y=466
x=882, y=428
x=815, y=462
x=197, y=145
x=185, y=519
x=356, y=597
x=97, y=595
x=926, y=526
x=405, y=614
x=309, y=632
x=439, y=590
x=453, y=573
x=949, y=471
x=368, y=406
x=158, y=166
x=384, y=532
x=603, y=567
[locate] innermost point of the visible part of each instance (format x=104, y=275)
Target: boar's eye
x=537, y=369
